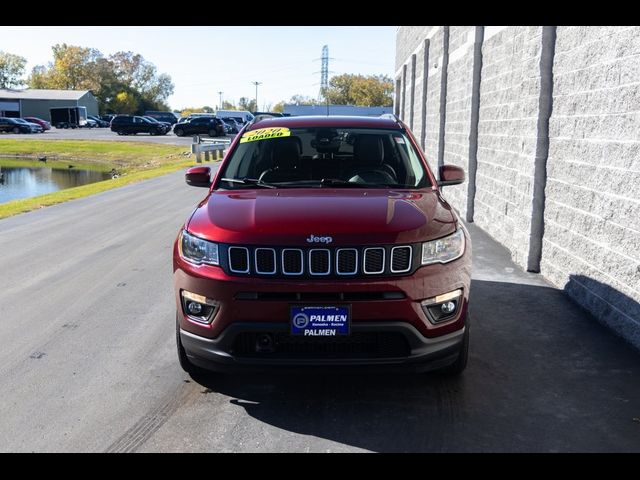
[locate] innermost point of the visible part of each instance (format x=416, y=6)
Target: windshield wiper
x=249, y=181
x=336, y=182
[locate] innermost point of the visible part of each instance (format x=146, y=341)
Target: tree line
x=124, y=82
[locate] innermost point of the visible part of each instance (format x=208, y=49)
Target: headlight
x=197, y=250
x=443, y=250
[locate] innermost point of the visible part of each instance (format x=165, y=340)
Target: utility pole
x=256, y=84
x=220, y=93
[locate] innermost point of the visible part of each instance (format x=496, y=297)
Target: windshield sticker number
x=265, y=133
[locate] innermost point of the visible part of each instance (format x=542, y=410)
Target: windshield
x=322, y=156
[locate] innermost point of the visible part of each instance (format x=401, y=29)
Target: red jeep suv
x=323, y=241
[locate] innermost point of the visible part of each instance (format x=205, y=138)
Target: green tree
x=360, y=90
x=142, y=76
x=11, y=69
x=125, y=102
x=302, y=100
x=228, y=105
x=245, y=104
x=278, y=107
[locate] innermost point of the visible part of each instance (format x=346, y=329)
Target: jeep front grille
x=338, y=262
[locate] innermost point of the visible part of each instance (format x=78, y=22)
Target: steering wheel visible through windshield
x=322, y=156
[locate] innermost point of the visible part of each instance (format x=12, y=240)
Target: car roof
x=328, y=121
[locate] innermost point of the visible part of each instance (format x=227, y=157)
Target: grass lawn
x=123, y=156
x=135, y=161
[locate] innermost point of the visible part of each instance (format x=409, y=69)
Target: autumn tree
x=11, y=70
x=122, y=83
x=360, y=90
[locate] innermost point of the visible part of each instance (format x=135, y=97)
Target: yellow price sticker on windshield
x=265, y=133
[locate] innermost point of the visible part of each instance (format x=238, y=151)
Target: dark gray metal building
x=36, y=103
x=292, y=109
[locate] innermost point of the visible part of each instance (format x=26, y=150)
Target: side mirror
x=450, y=175
x=198, y=177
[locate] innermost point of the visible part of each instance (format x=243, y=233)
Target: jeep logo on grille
x=313, y=239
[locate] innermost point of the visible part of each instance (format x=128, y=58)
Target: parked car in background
x=131, y=125
x=166, y=125
x=211, y=126
x=168, y=117
x=107, y=117
x=243, y=116
x=43, y=123
x=233, y=124
x=17, y=125
x=35, y=128
x=228, y=129
x=90, y=123
x=101, y=123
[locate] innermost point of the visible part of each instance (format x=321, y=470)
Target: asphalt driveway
x=88, y=358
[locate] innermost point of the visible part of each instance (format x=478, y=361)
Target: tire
x=213, y=133
x=457, y=367
x=16, y=130
x=179, y=132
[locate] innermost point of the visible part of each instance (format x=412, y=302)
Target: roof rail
x=262, y=116
x=391, y=116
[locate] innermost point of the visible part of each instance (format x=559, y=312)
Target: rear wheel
x=179, y=132
x=457, y=367
x=213, y=133
x=16, y=129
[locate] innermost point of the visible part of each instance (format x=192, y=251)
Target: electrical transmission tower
x=324, y=71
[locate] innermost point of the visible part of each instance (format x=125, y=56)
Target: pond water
x=24, y=182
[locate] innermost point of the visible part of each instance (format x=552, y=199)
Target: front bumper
x=388, y=305
x=424, y=353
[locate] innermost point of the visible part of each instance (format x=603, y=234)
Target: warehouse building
x=36, y=103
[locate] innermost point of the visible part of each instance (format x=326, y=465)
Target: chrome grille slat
x=319, y=261
x=290, y=258
x=266, y=258
x=373, y=257
x=401, y=259
x=347, y=261
x=239, y=262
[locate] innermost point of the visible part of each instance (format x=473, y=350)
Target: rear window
x=303, y=157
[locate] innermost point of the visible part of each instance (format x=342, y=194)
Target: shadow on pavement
x=542, y=376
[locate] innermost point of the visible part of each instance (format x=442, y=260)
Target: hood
x=349, y=217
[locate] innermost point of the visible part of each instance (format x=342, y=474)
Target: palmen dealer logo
x=301, y=320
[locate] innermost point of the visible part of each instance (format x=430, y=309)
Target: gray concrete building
x=36, y=103
x=546, y=123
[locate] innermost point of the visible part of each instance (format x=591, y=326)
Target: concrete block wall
x=458, y=108
x=507, y=133
x=591, y=242
x=569, y=182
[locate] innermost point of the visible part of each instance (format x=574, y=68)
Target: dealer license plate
x=320, y=321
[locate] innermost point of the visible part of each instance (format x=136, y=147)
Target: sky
x=205, y=60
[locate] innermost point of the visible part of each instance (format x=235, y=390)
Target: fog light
x=196, y=308
x=448, y=307
x=443, y=307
